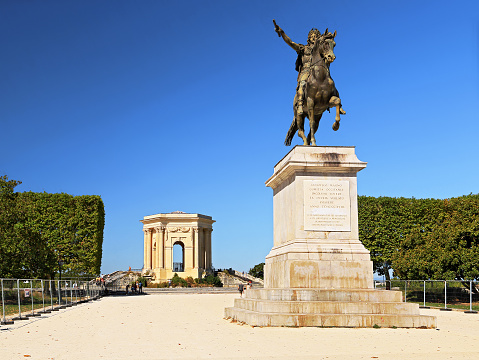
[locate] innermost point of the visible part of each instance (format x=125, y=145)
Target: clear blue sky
x=159, y=106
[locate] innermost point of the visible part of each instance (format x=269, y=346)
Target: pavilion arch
x=178, y=266
x=191, y=231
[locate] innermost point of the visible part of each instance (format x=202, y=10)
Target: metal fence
x=26, y=298
x=178, y=267
x=114, y=288
x=443, y=294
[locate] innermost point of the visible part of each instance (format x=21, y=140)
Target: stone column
x=188, y=251
x=148, y=248
x=154, y=241
x=168, y=250
x=201, y=249
x=195, y=247
x=211, y=249
x=160, y=246
x=145, y=249
x=208, y=248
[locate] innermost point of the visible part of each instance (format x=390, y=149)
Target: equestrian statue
x=315, y=91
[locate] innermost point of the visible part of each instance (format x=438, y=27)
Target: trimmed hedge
x=422, y=238
x=47, y=228
x=72, y=226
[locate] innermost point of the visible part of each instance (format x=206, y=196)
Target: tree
x=37, y=230
x=257, y=271
x=450, y=251
x=385, y=222
x=22, y=251
x=422, y=238
x=8, y=221
x=72, y=226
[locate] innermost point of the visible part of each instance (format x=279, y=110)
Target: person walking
x=240, y=289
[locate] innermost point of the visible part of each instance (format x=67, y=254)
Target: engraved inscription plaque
x=327, y=205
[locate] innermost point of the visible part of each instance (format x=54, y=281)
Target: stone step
x=316, y=294
x=326, y=307
x=330, y=320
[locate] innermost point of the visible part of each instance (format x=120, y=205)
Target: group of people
x=136, y=288
x=242, y=287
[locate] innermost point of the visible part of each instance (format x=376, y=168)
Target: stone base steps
x=327, y=308
x=254, y=318
x=320, y=294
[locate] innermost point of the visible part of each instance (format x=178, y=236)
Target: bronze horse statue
x=320, y=93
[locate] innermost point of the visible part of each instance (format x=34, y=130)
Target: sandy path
x=192, y=327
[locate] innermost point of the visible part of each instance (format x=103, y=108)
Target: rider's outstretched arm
x=287, y=40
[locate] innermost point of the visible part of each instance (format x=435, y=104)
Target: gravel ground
x=191, y=326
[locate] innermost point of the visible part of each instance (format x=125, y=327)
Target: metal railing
x=178, y=267
x=443, y=294
x=248, y=277
x=26, y=298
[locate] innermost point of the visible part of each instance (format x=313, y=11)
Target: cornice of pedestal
x=316, y=160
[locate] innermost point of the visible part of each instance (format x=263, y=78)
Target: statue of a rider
x=303, y=64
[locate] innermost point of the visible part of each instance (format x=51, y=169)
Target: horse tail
x=292, y=130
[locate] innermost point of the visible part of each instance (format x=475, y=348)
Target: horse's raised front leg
x=336, y=102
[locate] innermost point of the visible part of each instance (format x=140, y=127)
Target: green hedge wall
x=422, y=238
x=37, y=230
x=71, y=226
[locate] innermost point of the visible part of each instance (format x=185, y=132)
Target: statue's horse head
x=324, y=46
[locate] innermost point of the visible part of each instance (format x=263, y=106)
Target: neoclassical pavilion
x=189, y=234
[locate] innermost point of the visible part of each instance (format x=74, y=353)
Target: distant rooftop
x=175, y=215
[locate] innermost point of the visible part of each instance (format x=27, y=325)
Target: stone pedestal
x=318, y=273
x=316, y=239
